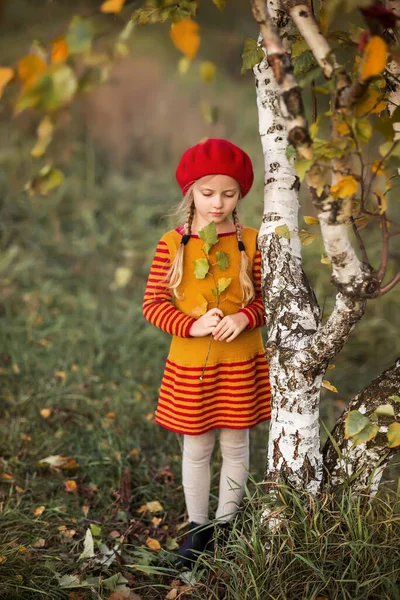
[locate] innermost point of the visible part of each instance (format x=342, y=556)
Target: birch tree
x=346, y=187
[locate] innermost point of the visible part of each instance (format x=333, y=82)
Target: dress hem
x=211, y=428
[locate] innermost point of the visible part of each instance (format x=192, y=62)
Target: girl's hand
x=207, y=323
x=230, y=327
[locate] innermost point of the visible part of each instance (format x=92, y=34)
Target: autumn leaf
x=58, y=462
x=366, y=434
x=112, y=6
x=382, y=201
x=223, y=283
x=375, y=56
x=59, y=50
x=6, y=74
x=371, y=103
x=201, y=307
x=347, y=186
x=207, y=71
x=7, y=476
x=384, y=410
x=88, y=545
x=154, y=506
x=46, y=412
x=29, y=69
x=393, y=435
x=153, y=544
x=45, y=135
x=327, y=385
x=70, y=485
x=201, y=267
x=122, y=276
x=184, y=65
x=282, y=231
x=307, y=238
x=38, y=511
x=311, y=220
x=185, y=37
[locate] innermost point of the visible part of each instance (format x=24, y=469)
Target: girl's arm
x=157, y=303
x=255, y=310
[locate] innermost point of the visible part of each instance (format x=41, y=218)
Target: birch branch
x=279, y=61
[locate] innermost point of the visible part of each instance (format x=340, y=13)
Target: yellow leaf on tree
x=45, y=135
x=345, y=187
x=201, y=307
x=59, y=50
x=382, y=201
x=343, y=128
x=207, y=71
x=326, y=384
x=112, y=6
x=70, y=485
x=375, y=57
x=372, y=103
x=311, y=220
x=153, y=544
x=29, y=69
x=6, y=74
x=185, y=37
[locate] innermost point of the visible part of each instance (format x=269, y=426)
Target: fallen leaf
x=59, y=462
x=156, y=521
x=153, y=544
x=7, y=476
x=154, y=506
x=61, y=375
x=70, y=485
x=15, y=368
x=39, y=543
x=38, y=511
x=46, y=412
x=172, y=594
x=88, y=545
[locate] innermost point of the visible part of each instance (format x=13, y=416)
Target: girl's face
x=215, y=197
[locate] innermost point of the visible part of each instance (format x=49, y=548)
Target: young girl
x=234, y=393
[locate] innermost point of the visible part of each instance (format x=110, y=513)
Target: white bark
x=290, y=304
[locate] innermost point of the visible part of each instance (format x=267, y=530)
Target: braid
x=245, y=278
x=175, y=273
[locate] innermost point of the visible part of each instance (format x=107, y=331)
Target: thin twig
x=389, y=286
x=360, y=241
x=385, y=246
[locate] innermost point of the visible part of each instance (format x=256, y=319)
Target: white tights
x=197, y=450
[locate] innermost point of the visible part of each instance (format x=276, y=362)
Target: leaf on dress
x=201, y=267
x=201, y=307
x=222, y=260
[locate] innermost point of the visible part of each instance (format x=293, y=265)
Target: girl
x=232, y=393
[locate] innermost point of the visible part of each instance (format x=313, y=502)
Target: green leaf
x=363, y=130
x=283, y=231
x=209, y=235
x=366, y=434
x=79, y=35
x=355, y=422
x=302, y=165
x=207, y=71
x=393, y=435
x=252, y=55
x=171, y=544
x=222, y=260
x=223, y=283
x=384, y=410
x=72, y=581
x=88, y=545
x=95, y=529
x=220, y=4
x=337, y=8
x=385, y=126
x=298, y=48
x=395, y=398
x=303, y=64
x=201, y=267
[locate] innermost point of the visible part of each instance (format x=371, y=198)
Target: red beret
x=215, y=157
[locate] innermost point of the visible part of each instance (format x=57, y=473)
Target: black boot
x=195, y=543
x=219, y=537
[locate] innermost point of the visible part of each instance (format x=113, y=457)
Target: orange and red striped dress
x=235, y=391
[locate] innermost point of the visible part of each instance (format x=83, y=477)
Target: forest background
x=79, y=365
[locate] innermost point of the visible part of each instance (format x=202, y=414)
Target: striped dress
x=235, y=391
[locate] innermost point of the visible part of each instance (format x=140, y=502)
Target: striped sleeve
x=157, y=303
x=255, y=310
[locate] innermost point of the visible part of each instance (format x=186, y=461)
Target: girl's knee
x=234, y=444
x=199, y=447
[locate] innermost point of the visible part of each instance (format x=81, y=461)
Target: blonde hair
x=174, y=276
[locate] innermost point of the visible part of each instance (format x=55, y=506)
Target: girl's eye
x=204, y=194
